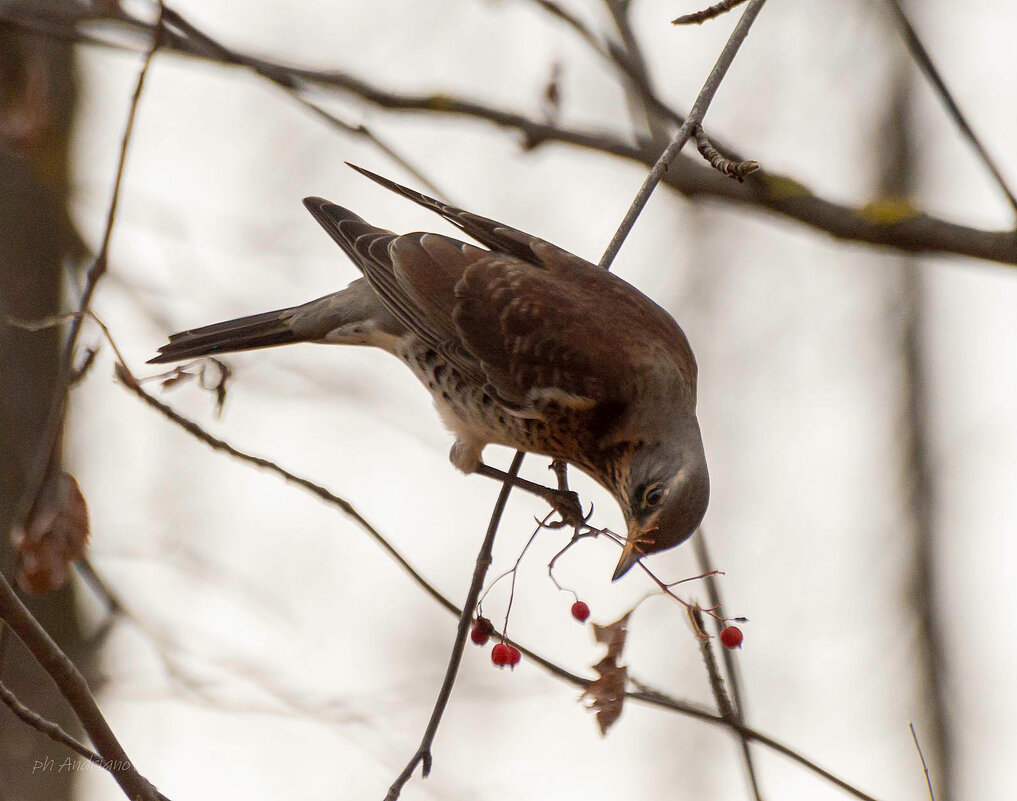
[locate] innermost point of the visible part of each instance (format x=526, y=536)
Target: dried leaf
x=607, y=693
x=613, y=636
x=53, y=537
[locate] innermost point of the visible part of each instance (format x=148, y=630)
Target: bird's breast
x=472, y=412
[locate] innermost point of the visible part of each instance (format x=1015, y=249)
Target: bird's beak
x=631, y=554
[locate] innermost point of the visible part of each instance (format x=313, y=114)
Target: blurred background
x=856, y=402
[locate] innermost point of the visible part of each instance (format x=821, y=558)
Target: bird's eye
x=653, y=495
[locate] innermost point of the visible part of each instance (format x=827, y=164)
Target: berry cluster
x=502, y=654
x=505, y=655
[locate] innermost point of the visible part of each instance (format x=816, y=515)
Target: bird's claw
x=566, y=503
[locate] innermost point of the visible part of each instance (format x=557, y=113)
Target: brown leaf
x=53, y=537
x=607, y=693
x=613, y=635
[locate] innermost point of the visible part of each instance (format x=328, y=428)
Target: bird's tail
x=351, y=316
x=244, y=333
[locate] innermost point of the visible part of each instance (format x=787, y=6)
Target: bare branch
x=921, y=55
x=694, y=119
x=629, y=59
x=783, y=195
x=46, y=455
x=921, y=756
x=736, y=702
x=127, y=380
x=724, y=705
x=47, y=727
x=727, y=710
x=53, y=731
x=74, y=689
x=714, y=11
x=644, y=694
x=628, y=64
x=286, y=82
x=295, y=83
x=423, y=755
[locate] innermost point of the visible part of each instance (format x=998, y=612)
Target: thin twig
x=656, y=698
x=783, y=195
x=628, y=65
x=629, y=58
x=790, y=753
x=99, y=585
x=721, y=163
x=423, y=755
x=75, y=691
x=694, y=119
x=714, y=11
x=645, y=694
x=724, y=706
x=53, y=730
x=727, y=710
x=48, y=450
x=286, y=82
x=921, y=55
x=65, y=675
x=128, y=381
x=47, y=727
x=921, y=756
x=730, y=665
x=491, y=534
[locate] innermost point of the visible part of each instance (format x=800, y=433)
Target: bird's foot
x=566, y=504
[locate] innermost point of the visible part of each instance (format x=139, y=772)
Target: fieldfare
x=521, y=344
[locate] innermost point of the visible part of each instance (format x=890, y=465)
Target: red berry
x=732, y=637
x=504, y=654
x=500, y=654
x=580, y=611
x=481, y=630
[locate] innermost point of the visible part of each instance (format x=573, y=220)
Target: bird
x=520, y=343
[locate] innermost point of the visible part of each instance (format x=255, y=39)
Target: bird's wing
x=490, y=233
x=532, y=321
x=540, y=335
x=414, y=276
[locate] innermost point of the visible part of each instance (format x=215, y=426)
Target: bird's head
x=667, y=492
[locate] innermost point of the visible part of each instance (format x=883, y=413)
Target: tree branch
x=694, y=119
x=644, y=694
x=423, y=755
x=74, y=689
x=53, y=731
x=736, y=702
x=49, y=447
x=779, y=194
x=921, y=56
